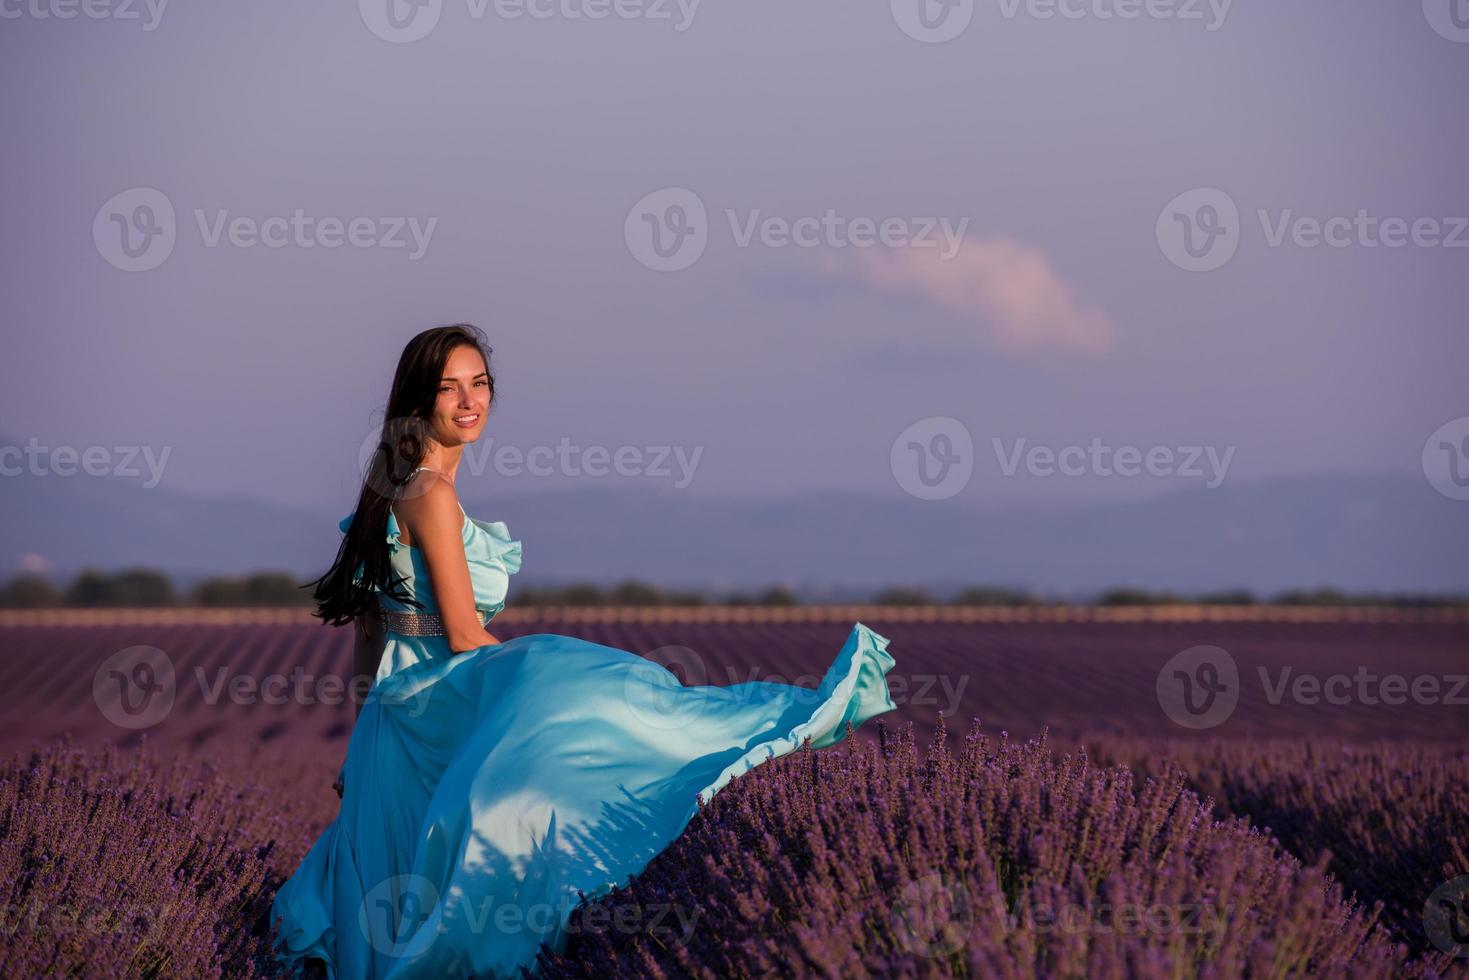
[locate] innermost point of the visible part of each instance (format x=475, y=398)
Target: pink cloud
x=34, y=564
x=1010, y=290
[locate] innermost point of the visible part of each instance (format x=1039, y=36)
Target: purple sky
x=1056, y=142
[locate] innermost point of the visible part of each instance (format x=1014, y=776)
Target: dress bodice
x=492, y=555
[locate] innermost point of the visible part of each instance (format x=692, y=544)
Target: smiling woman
x=440, y=395
x=508, y=776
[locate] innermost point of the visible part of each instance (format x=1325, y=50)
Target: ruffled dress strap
x=492, y=542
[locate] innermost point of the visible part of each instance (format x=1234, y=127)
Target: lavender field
x=1035, y=806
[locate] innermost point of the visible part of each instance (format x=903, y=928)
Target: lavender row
x=996, y=860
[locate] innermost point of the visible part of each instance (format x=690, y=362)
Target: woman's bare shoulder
x=428, y=501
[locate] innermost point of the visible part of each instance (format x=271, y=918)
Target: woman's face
x=464, y=398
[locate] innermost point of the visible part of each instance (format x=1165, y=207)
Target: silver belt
x=420, y=624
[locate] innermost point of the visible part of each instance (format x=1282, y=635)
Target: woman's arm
x=435, y=525
x=366, y=652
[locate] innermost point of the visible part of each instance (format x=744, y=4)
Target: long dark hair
x=345, y=592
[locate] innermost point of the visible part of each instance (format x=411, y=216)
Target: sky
x=1094, y=227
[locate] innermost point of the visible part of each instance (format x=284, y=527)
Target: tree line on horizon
x=146, y=587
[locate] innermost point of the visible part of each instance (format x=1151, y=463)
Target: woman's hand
x=472, y=641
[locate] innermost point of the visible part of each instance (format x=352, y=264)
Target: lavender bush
x=1393, y=818
x=1002, y=860
x=140, y=866
x=997, y=859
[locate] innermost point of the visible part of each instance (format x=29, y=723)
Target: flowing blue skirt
x=485, y=789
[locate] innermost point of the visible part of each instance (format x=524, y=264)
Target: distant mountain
x=1353, y=532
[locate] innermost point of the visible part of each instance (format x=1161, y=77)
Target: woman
x=486, y=783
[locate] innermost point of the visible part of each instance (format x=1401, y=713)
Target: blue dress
x=485, y=788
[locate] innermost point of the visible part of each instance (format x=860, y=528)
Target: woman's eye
x=481, y=383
